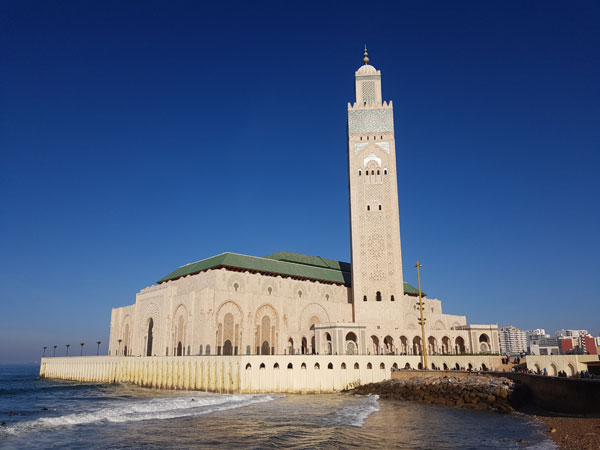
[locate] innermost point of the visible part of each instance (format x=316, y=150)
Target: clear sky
x=136, y=137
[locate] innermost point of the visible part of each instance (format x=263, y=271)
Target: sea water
x=51, y=414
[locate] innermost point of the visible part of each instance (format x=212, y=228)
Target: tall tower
x=374, y=219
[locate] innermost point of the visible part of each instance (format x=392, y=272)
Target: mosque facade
x=288, y=303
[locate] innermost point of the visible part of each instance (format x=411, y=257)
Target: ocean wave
x=154, y=409
x=355, y=415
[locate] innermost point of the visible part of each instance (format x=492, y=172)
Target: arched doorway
x=388, y=343
x=265, y=328
x=328, y=344
x=265, y=349
x=432, y=345
x=375, y=345
x=149, y=339
x=304, y=346
x=460, y=345
x=404, y=345
x=351, y=343
x=445, y=345
x=484, y=343
x=417, y=349
x=179, y=348
x=227, y=348
x=290, y=346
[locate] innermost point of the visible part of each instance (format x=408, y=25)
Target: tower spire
x=366, y=58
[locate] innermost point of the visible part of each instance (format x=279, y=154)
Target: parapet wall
x=245, y=374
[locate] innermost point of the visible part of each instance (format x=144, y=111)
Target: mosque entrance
x=149, y=347
x=265, y=348
x=227, y=348
x=179, y=348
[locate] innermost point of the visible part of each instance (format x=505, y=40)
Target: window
x=200, y=351
x=368, y=208
x=290, y=366
x=364, y=298
x=248, y=350
x=299, y=294
x=359, y=172
x=208, y=349
x=327, y=297
x=378, y=296
x=372, y=172
x=236, y=287
x=378, y=172
x=392, y=298
x=379, y=207
x=385, y=171
x=270, y=290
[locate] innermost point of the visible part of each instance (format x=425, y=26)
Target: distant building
x=571, y=333
x=513, y=341
x=543, y=345
x=536, y=334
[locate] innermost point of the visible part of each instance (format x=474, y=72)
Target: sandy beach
x=573, y=433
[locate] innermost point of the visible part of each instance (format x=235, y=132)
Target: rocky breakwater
x=474, y=392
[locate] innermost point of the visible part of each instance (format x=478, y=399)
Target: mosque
x=292, y=304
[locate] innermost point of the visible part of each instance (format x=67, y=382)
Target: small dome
x=366, y=69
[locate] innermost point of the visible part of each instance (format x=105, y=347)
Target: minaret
x=374, y=220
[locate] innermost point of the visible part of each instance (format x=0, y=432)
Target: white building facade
x=513, y=341
x=292, y=304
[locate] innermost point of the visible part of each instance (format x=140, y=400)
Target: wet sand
x=573, y=433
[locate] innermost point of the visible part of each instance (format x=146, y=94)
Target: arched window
x=356, y=366
x=379, y=207
x=369, y=366
x=303, y=366
x=276, y=366
x=207, y=349
x=382, y=366
x=343, y=366
x=378, y=173
x=248, y=366
x=290, y=366
x=317, y=366
x=236, y=287
x=330, y=366
x=378, y=296
x=385, y=171
x=368, y=208
x=200, y=351
x=270, y=290
x=248, y=350
x=299, y=294
x=392, y=298
x=189, y=351
x=364, y=298
x=372, y=172
x=262, y=366
x=359, y=172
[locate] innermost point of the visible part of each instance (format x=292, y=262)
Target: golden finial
x=366, y=58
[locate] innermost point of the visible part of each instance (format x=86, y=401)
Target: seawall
x=244, y=373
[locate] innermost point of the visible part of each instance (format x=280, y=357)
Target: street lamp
x=81, y=352
x=68, y=345
x=98, y=351
x=55, y=350
x=423, y=343
x=44, y=352
x=119, y=350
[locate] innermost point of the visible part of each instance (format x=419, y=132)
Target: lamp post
x=119, y=350
x=68, y=345
x=44, y=352
x=55, y=350
x=423, y=344
x=98, y=350
x=81, y=352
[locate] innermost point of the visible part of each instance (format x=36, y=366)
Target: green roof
x=288, y=264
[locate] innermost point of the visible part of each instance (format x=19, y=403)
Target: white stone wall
x=247, y=374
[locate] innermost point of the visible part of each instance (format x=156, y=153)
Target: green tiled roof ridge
x=282, y=263
x=316, y=261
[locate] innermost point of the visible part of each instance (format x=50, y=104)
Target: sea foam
x=154, y=409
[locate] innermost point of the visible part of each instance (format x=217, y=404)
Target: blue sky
x=139, y=136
